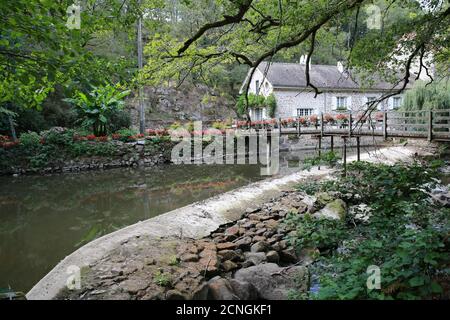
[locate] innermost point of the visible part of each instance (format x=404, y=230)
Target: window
x=370, y=99
x=258, y=114
x=257, y=87
x=397, y=102
x=301, y=112
x=341, y=103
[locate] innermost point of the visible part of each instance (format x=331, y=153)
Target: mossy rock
x=323, y=198
x=336, y=209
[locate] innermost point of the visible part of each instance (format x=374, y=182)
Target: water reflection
x=43, y=219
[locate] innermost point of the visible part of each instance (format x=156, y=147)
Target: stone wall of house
x=288, y=100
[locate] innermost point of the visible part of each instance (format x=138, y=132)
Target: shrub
x=30, y=141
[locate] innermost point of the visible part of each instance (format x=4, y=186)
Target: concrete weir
x=193, y=221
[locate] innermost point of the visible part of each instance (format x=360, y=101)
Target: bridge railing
x=430, y=124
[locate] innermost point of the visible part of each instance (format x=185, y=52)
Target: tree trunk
x=11, y=127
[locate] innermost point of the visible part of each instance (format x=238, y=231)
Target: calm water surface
x=45, y=218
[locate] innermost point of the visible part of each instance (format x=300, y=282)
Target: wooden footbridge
x=431, y=125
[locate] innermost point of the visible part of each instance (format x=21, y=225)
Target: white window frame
x=304, y=112
x=396, y=102
x=258, y=114
x=339, y=105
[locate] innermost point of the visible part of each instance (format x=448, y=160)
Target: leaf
x=417, y=281
x=435, y=287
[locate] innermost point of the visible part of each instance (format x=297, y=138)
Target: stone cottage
x=287, y=82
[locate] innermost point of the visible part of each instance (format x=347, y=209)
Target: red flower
x=328, y=118
x=115, y=136
x=313, y=118
x=379, y=116
x=302, y=120
x=91, y=137
x=140, y=135
x=341, y=117
x=102, y=139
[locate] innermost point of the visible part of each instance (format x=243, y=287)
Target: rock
x=189, y=257
x=232, y=231
x=254, y=217
x=259, y=246
x=249, y=224
x=273, y=282
x=273, y=256
x=259, y=239
x=244, y=290
x=208, y=253
x=260, y=231
x=201, y=292
x=255, y=258
x=288, y=255
x=175, y=295
x=133, y=286
x=229, y=265
x=310, y=201
x=226, y=246
x=228, y=255
x=244, y=243
x=271, y=224
x=323, y=198
x=220, y=289
x=335, y=210
x=252, y=210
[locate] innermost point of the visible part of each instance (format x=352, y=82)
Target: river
x=45, y=218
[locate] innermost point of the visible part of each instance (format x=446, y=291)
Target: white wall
x=265, y=87
x=288, y=100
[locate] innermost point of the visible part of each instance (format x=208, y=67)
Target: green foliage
x=326, y=158
x=256, y=101
x=30, y=140
x=427, y=97
x=127, y=135
x=162, y=279
x=406, y=235
x=99, y=106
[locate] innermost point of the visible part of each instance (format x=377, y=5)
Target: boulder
x=255, y=257
x=323, y=198
x=259, y=246
x=220, y=289
x=244, y=290
x=273, y=282
x=335, y=210
x=273, y=256
x=229, y=265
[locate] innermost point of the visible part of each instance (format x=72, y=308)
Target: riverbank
x=195, y=221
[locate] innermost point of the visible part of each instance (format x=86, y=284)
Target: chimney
x=340, y=67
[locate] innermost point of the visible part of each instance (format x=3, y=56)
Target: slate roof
x=292, y=75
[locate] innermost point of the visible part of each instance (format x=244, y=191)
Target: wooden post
x=358, y=149
x=298, y=127
x=320, y=150
x=430, y=125
x=279, y=126
x=385, y=126
x=321, y=124
x=332, y=143
x=350, y=123
x=345, y=155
